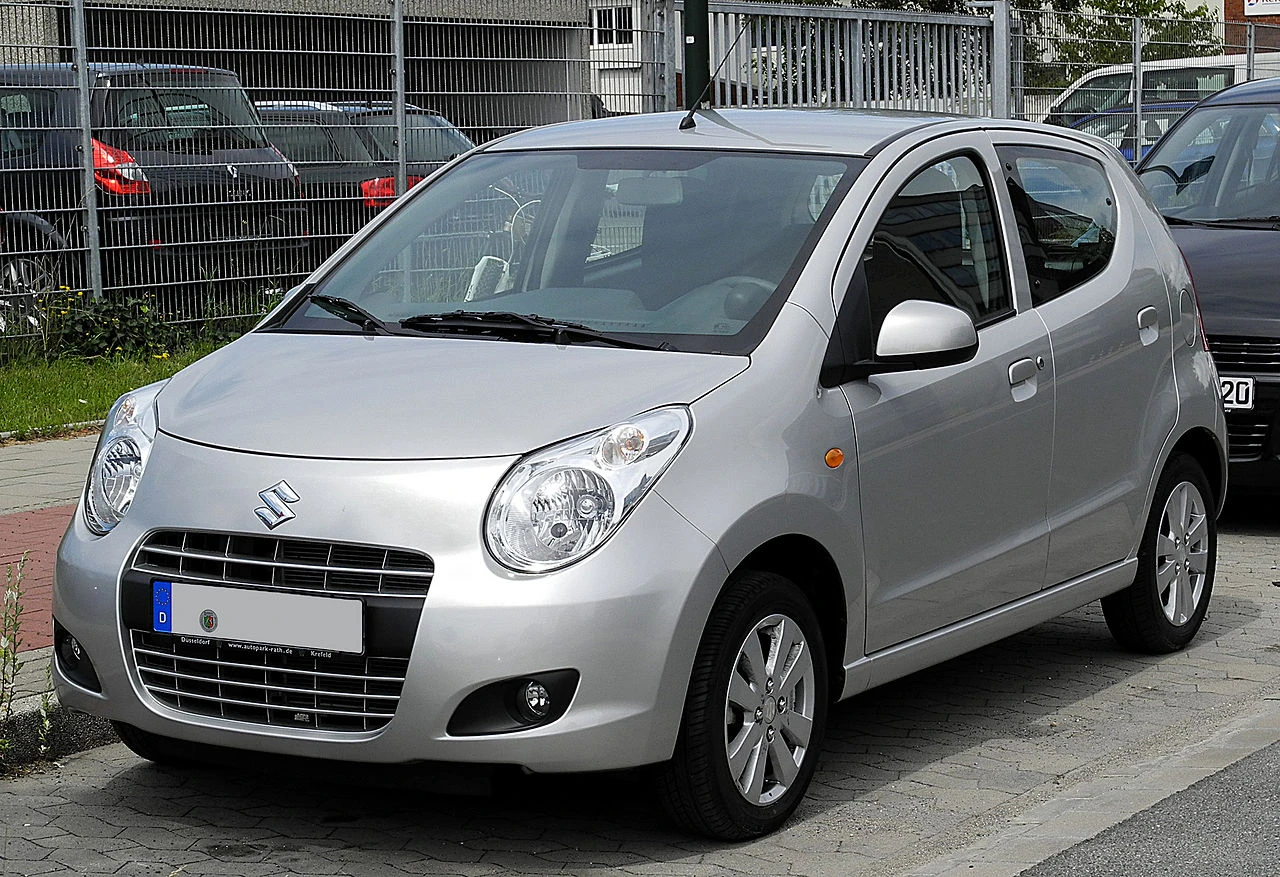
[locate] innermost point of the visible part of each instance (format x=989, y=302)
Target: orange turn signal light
x=834, y=458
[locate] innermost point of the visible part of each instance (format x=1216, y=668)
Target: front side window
x=679, y=248
x=1066, y=217
x=938, y=240
x=1219, y=164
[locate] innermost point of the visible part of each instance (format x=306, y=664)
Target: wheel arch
x=40, y=229
x=805, y=562
x=1203, y=446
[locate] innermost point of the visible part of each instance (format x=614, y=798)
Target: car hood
x=1237, y=278
x=387, y=398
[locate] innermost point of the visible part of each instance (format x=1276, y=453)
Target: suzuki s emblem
x=234, y=171
x=276, y=512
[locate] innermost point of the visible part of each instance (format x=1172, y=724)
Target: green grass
x=39, y=399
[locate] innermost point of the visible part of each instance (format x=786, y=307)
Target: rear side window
x=938, y=241
x=1066, y=217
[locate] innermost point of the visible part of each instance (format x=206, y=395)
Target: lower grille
x=1247, y=435
x=339, y=693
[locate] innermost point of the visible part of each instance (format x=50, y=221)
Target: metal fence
x=212, y=157
x=209, y=158
x=1126, y=78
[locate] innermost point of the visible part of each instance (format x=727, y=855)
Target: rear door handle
x=1022, y=370
x=1148, y=325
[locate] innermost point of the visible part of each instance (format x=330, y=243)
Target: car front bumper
x=627, y=618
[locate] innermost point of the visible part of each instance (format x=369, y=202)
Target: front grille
x=1234, y=353
x=289, y=564
x=339, y=693
x=1247, y=435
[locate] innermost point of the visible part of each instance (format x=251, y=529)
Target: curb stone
x=70, y=730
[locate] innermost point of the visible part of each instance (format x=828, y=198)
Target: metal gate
x=766, y=54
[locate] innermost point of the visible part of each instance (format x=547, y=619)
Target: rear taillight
x=381, y=191
x=116, y=171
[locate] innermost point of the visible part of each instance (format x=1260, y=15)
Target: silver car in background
x=624, y=443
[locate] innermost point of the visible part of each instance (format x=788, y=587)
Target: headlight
x=121, y=457
x=561, y=503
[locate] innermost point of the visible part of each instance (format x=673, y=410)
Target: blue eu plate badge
x=162, y=607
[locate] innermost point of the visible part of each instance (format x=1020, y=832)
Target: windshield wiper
x=508, y=324
x=1232, y=222
x=351, y=312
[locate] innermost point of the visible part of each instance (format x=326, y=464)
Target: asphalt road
x=986, y=766
x=1228, y=824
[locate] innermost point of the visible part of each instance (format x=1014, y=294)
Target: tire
x=24, y=280
x=152, y=747
x=774, y=725
x=1166, y=604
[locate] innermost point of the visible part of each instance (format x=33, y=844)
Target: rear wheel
x=25, y=278
x=754, y=715
x=1166, y=604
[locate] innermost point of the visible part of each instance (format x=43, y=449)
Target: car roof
x=836, y=131
x=1257, y=91
x=65, y=73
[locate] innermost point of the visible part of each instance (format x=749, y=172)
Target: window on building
x=611, y=25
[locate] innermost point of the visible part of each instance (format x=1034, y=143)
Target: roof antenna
x=687, y=122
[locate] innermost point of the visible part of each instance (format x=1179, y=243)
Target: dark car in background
x=1119, y=126
x=189, y=188
x=1216, y=178
x=346, y=155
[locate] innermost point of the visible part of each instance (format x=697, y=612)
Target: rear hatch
x=213, y=177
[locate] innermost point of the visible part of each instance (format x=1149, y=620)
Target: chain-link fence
x=209, y=158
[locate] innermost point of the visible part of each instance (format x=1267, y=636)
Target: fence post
x=653, y=72
x=397, y=78
x=1250, y=48
x=89, y=187
x=1000, y=55
x=1137, y=87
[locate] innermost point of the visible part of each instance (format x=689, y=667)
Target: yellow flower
x=79, y=293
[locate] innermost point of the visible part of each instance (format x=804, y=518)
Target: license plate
x=1237, y=394
x=265, y=618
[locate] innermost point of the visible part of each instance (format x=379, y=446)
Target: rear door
x=1096, y=283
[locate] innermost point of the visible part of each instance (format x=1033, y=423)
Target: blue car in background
x=1118, y=125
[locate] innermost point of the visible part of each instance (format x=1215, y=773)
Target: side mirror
x=926, y=334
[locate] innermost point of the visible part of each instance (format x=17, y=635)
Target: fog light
x=534, y=701
x=515, y=704
x=73, y=660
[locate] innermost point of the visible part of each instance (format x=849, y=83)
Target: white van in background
x=1173, y=79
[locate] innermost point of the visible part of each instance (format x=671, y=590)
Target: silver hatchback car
x=620, y=444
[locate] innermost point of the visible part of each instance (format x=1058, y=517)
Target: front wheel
x=754, y=715
x=1166, y=604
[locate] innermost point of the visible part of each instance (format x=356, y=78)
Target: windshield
x=1219, y=164
x=684, y=248
x=180, y=111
